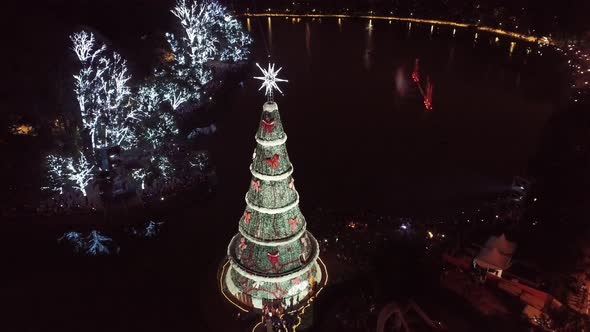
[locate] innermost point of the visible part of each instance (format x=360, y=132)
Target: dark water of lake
x=359, y=138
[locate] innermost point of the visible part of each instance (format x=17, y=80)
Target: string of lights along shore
x=272, y=264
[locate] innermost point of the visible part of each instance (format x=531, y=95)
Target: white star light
x=270, y=80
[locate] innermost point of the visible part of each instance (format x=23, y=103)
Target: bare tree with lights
x=208, y=33
x=81, y=172
x=69, y=173
x=103, y=93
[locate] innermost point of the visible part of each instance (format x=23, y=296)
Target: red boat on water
x=426, y=95
x=416, y=72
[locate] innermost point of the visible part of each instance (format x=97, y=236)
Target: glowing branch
x=209, y=32
x=80, y=171
x=93, y=244
x=84, y=46
x=98, y=244
x=103, y=93
x=56, y=166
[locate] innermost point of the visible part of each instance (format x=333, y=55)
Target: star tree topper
x=270, y=80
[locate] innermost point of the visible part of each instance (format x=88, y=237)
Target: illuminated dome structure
x=273, y=258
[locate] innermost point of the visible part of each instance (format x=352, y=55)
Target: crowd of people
x=160, y=188
x=578, y=59
x=68, y=202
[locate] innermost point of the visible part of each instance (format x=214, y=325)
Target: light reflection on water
x=512, y=45
x=307, y=39
x=451, y=57
x=368, y=46
x=269, y=20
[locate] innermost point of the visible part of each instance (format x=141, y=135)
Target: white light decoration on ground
x=270, y=80
x=98, y=244
x=93, y=244
x=80, y=171
x=151, y=229
x=75, y=240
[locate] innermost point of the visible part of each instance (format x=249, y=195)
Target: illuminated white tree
x=114, y=100
x=103, y=93
x=84, y=46
x=197, y=46
x=164, y=129
x=80, y=171
x=87, y=82
x=209, y=32
x=194, y=20
x=177, y=94
x=56, y=173
x=164, y=166
x=147, y=102
x=237, y=42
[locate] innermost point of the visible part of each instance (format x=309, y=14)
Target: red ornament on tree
x=268, y=126
x=273, y=162
x=256, y=185
x=273, y=258
x=243, y=245
x=293, y=223
x=247, y=217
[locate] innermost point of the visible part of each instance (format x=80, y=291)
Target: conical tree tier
x=269, y=260
x=271, y=127
x=272, y=194
x=264, y=227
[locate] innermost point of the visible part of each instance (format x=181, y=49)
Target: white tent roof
x=502, y=244
x=491, y=258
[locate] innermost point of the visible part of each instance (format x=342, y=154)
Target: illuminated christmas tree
x=273, y=258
